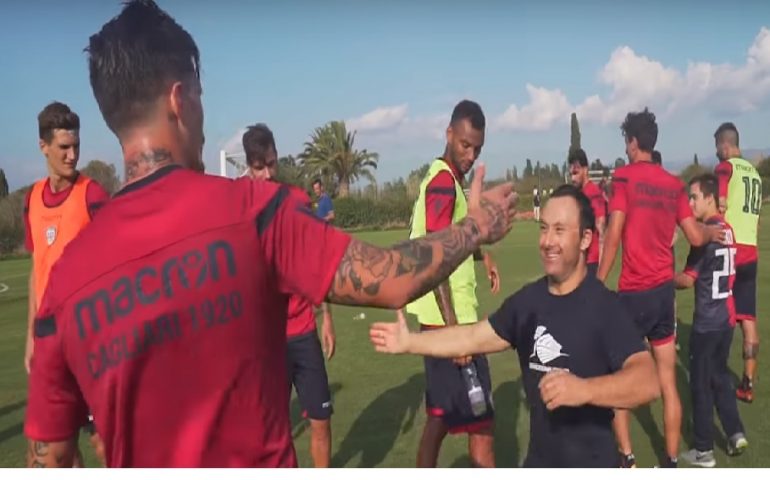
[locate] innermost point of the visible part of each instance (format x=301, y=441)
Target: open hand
x=390, y=337
x=492, y=210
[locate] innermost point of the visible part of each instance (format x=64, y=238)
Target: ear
x=449, y=134
x=176, y=99
x=43, y=146
x=585, y=242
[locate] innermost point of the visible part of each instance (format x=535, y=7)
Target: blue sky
x=395, y=69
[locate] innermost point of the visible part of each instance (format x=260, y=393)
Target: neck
x=57, y=183
x=643, y=156
x=570, y=282
x=144, y=153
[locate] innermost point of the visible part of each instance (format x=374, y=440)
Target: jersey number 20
x=728, y=268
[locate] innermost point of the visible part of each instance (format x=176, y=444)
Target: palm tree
x=330, y=155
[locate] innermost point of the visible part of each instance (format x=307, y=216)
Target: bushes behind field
x=367, y=213
x=12, y=222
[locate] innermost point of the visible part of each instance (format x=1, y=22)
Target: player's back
x=654, y=201
x=713, y=268
x=173, y=325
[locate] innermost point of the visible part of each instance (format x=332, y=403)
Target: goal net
x=232, y=165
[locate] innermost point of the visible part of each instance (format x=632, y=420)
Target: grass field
x=378, y=399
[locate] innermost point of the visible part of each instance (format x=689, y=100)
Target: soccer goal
x=232, y=165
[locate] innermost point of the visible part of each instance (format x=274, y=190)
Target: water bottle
x=475, y=392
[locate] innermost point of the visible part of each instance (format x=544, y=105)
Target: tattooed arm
x=51, y=454
x=393, y=277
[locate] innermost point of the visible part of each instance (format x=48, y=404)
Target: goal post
x=232, y=165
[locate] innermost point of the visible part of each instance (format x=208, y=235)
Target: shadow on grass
x=6, y=409
x=507, y=399
x=375, y=431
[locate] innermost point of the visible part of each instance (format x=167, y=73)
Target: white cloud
x=379, y=119
x=635, y=81
x=545, y=108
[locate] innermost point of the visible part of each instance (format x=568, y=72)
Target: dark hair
x=578, y=156
x=135, y=58
x=728, y=127
x=257, y=142
x=656, y=158
x=470, y=110
x=587, y=218
x=642, y=127
x=56, y=115
x=317, y=181
x=709, y=185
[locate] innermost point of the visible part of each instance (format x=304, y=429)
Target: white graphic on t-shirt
x=545, y=350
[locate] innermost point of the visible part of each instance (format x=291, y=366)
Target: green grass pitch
x=378, y=399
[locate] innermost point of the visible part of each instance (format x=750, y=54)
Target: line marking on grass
x=4, y=288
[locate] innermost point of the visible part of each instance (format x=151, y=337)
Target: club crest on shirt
x=546, y=350
x=50, y=234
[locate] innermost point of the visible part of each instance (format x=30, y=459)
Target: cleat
x=737, y=444
x=700, y=459
x=627, y=461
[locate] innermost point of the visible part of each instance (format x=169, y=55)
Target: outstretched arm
x=393, y=277
x=446, y=342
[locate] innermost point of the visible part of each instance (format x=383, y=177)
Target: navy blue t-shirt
x=588, y=333
x=324, y=206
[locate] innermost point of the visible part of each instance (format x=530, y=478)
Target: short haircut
x=257, y=142
x=54, y=116
x=135, y=58
x=657, y=159
x=318, y=182
x=728, y=132
x=578, y=156
x=642, y=127
x=709, y=185
x=470, y=110
x=587, y=218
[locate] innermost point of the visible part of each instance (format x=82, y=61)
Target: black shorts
x=446, y=395
x=592, y=269
x=307, y=372
x=745, y=291
x=653, y=312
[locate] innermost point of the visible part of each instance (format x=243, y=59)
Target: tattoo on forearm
x=40, y=455
x=142, y=163
x=364, y=267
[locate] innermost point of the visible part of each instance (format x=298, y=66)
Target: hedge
x=359, y=213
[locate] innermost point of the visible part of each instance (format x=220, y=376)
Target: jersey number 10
x=728, y=268
x=752, y=188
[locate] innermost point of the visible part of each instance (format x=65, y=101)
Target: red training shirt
x=599, y=206
x=175, y=338
x=440, y=197
x=96, y=197
x=744, y=253
x=301, y=316
x=654, y=202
